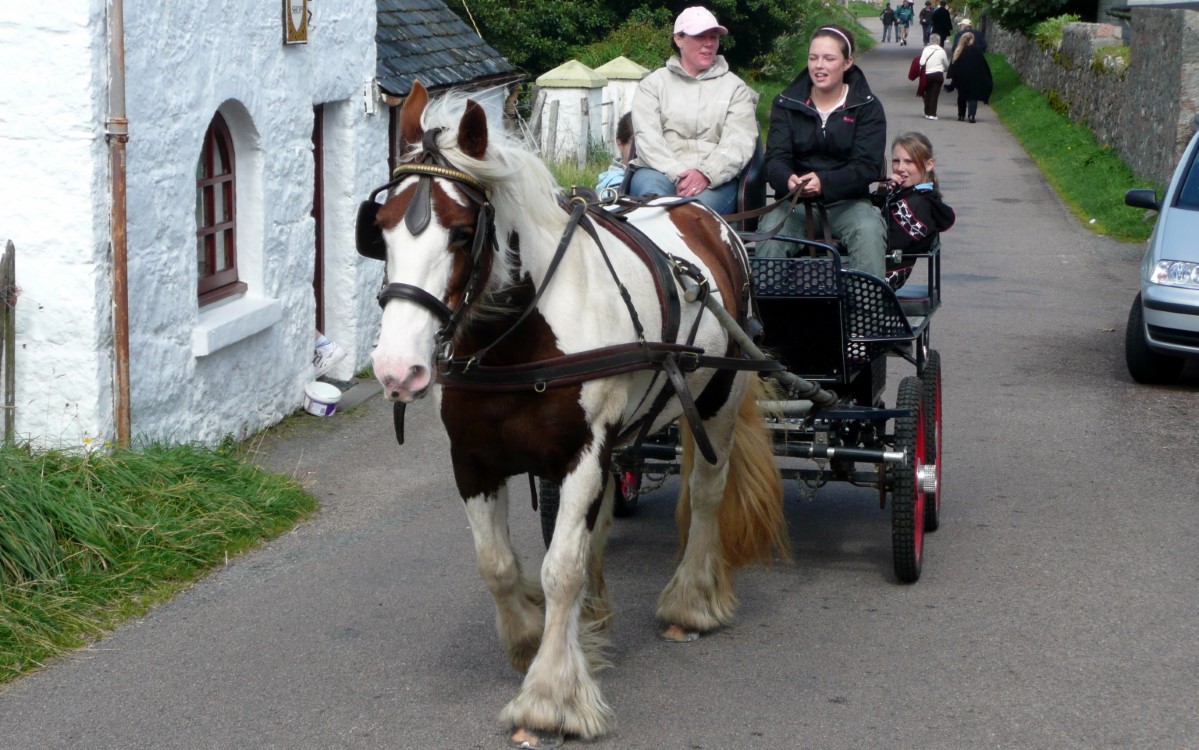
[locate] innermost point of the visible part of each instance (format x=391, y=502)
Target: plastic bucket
x=321, y=398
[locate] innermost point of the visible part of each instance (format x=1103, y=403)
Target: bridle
x=668, y=355
x=370, y=243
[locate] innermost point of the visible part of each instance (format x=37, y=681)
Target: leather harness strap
x=572, y=369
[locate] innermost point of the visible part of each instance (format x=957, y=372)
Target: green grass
x=865, y=10
x=89, y=540
x=1089, y=177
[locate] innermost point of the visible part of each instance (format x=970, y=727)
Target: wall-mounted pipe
x=117, y=133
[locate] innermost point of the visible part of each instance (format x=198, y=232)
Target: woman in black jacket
x=970, y=75
x=828, y=137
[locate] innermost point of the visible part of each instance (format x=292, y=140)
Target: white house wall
x=184, y=62
x=53, y=206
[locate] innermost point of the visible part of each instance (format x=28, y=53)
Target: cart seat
x=914, y=300
x=751, y=183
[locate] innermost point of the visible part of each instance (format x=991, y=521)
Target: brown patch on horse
x=727, y=275
x=703, y=231
x=411, y=131
x=497, y=435
x=454, y=217
x=393, y=209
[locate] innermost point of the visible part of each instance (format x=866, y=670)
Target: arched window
x=216, y=216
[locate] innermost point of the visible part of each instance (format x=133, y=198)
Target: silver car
x=1163, y=324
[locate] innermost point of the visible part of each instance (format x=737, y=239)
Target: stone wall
x=1145, y=111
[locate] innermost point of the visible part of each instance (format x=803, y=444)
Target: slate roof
x=425, y=39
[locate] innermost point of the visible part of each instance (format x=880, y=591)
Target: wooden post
x=535, y=116
x=584, y=132
x=551, y=143
x=8, y=334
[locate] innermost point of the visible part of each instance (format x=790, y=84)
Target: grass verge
x=1089, y=177
x=90, y=540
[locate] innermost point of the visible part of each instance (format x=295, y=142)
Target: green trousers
x=857, y=223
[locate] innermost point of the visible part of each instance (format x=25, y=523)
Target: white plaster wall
x=569, y=125
x=618, y=99
x=54, y=207
x=188, y=62
x=184, y=61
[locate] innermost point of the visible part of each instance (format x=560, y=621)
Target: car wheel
x=1144, y=364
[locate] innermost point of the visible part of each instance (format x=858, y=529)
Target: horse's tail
x=752, y=525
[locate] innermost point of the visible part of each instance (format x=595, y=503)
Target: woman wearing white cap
x=693, y=120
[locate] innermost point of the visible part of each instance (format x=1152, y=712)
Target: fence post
x=8, y=333
x=584, y=132
x=551, y=146
x=535, y=117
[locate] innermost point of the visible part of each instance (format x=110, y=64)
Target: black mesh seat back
x=800, y=304
x=875, y=319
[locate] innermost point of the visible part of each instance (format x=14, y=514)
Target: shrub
x=1022, y=15
x=790, y=49
x=538, y=35
x=1112, y=59
x=644, y=38
x=1048, y=33
x=534, y=34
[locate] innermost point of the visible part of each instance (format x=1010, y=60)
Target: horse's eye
x=461, y=234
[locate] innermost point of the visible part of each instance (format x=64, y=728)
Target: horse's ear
x=411, y=131
x=472, y=130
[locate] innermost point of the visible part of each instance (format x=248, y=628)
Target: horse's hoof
x=676, y=634
x=527, y=739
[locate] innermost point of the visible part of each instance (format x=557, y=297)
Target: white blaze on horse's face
x=404, y=357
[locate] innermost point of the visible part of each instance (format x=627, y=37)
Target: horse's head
x=434, y=232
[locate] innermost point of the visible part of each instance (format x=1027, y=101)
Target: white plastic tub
x=321, y=399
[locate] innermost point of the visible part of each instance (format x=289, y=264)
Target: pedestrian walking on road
x=942, y=23
x=934, y=62
x=970, y=76
x=903, y=19
x=888, y=19
x=965, y=25
x=926, y=20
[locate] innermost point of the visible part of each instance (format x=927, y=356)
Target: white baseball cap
x=964, y=22
x=696, y=20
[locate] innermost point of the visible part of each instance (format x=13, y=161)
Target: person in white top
x=935, y=62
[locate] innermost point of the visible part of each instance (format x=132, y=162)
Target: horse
x=547, y=349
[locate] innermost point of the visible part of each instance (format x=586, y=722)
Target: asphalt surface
x=1057, y=606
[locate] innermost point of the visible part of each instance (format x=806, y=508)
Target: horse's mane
x=523, y=190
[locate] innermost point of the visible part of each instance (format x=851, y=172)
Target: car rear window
x=1188, y=194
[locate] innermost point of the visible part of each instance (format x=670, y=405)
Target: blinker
x=368, y=237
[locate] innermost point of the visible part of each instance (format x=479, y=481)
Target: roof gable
x=424, y=39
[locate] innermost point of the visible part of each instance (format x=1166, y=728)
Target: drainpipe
x=117, y=133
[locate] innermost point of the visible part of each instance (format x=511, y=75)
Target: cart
x=835, y=328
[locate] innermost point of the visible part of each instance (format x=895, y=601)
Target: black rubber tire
x=547, y=506
x=931, y=379
x=907, y=501
x=1145, y=365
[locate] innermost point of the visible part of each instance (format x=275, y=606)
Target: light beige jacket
x=934, y=59
x=685, y=122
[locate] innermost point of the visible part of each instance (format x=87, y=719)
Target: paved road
x=1058, y=606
